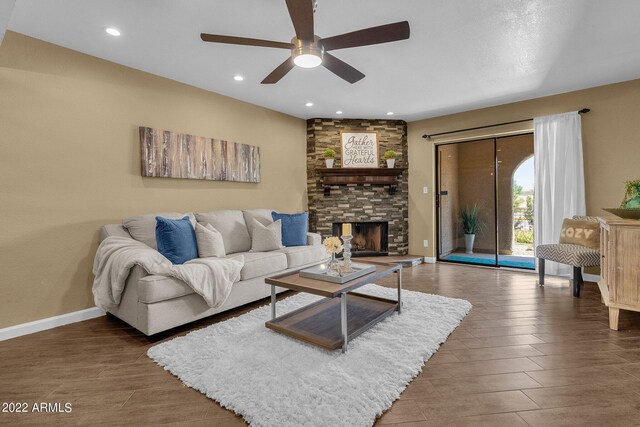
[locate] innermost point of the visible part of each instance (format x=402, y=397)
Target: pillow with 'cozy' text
x=581, y=232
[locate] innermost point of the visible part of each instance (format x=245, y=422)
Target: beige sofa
x=154, y=304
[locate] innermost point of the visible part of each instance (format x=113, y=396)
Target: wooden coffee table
x=339, y=317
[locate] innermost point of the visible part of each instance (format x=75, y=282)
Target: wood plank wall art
x=168, y=154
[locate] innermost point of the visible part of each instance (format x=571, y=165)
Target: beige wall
x=69, y=163
x=611, y=140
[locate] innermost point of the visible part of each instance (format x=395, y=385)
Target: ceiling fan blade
x=301, y=12
x=341, y=68
x=368, y=36
x=279, y=72
x=243, y=41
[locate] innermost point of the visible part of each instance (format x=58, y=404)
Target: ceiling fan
x=309, y=50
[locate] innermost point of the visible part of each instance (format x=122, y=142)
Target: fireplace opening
x=369, y=238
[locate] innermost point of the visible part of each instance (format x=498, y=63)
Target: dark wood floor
x=525, y=355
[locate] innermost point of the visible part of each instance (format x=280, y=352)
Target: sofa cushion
x=210, y=242
x=109, y=230
x=143, y=227
x=298, y=256
x=161, y=288
x=176, y=239
x=263, y=216
x=314, y=239
x=294, y=227
x=232, y=226
x=258, y=264
x=266, y=237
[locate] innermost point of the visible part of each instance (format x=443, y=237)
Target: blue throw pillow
x=176, y=239
x=294, y=228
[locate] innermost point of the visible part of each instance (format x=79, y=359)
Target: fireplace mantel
x=349, y=199
x=373, y=176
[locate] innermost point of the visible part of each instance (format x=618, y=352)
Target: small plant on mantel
x=390, y=156
x=329, y=157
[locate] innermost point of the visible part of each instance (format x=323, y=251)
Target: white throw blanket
x=211, y=278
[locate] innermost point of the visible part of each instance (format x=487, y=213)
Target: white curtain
x=559, y=178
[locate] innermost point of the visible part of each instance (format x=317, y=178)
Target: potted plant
x=390, y=156
x=632, y=195
x=471, y=225
x=329, y=157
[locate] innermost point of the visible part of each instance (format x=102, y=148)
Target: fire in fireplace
x=369, y=238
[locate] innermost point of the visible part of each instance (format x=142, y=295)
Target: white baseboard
x=51, y=322
x=429, y=260
x=591, y=277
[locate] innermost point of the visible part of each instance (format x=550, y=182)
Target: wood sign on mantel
x=359, y=149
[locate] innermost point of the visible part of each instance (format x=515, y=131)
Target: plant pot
x=468, y=242
x=391, y=163
x=329, y=162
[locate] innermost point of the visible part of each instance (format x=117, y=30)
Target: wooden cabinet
x=620, y=266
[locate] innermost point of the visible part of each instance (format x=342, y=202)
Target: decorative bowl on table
x=624, y=212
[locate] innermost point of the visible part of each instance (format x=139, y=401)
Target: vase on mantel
x=329, y=162
x=391, y=163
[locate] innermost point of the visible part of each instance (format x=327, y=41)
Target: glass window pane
x=466, y=208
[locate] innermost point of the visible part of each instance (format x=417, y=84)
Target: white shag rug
x=274, y=380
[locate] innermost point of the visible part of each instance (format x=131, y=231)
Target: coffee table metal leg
x=343, y=320
x=399, y=291
x=273, y=302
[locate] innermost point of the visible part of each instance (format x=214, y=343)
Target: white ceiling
x=462, y=54
x=6, y=6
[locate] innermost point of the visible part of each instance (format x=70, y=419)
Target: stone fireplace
x=375, y=209
x=369, y=238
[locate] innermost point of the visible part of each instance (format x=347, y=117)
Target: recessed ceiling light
x=390, y=113
x=238, y=78
x=338, y=112
x=309, y=104
x=112, y=31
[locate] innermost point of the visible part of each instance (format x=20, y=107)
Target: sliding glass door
x=515, y=181
x=467, y=202
x=485, y=190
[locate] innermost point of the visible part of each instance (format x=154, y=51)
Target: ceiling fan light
x=306, y=54
x=307, y=61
